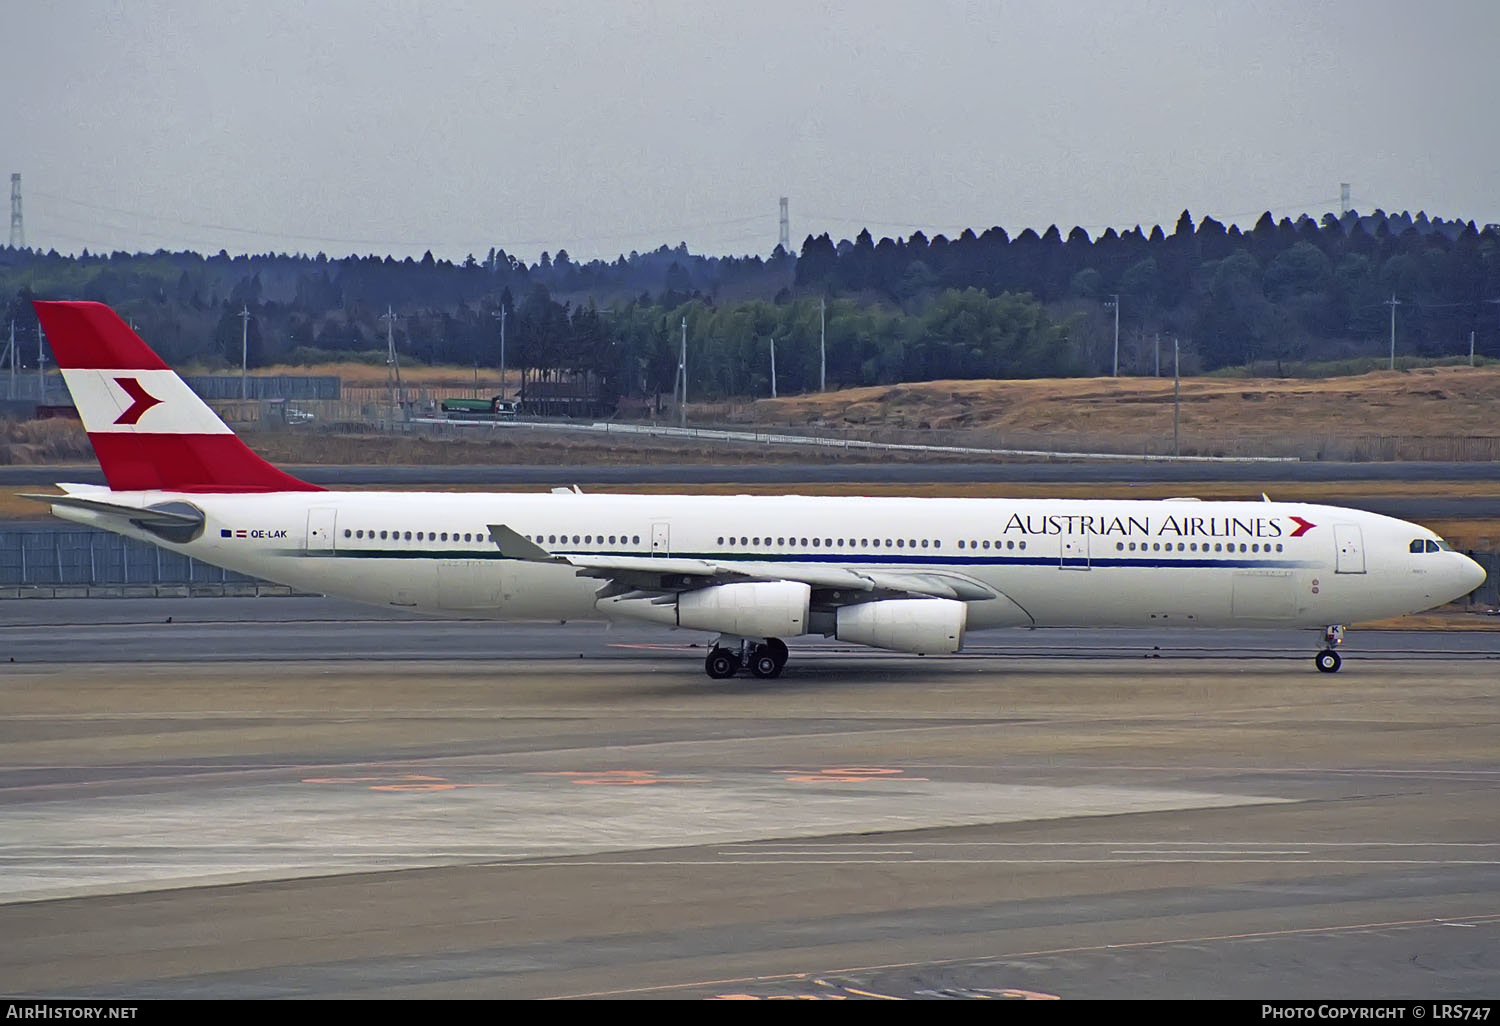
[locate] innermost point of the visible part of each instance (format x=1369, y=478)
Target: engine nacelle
x=750, y=609
x=905, y=625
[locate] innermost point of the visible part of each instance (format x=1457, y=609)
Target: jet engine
x=749, y=609
x=905, y=625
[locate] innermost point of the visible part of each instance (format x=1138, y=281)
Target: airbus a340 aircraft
x=907, y=574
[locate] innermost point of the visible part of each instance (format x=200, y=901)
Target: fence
x=46, y=561
x=24, y=387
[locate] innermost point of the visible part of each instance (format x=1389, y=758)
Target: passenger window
x=382, y=535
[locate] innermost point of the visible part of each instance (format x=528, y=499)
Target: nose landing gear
x=764, y=659
x=1328, y=661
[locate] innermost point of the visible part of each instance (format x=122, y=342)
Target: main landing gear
x=765, y=659
x=1328, y=660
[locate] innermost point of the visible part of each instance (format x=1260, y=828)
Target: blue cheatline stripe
x=1153, y=561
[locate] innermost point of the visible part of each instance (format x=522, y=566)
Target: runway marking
x=619, y=778
x=407, y=783
x=1082, y=949
x=1068, y=844
x=563, y=860
x=845, y=775
x=1204, y=851
x=818, y=853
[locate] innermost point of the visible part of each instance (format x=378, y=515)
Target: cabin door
x=1351, y=546
x=320, y=529
x=1075, y=552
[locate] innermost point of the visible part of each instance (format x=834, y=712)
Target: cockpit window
x=1416, y=545
x=1438, y=545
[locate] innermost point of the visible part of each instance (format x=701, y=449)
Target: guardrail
x=826, y=442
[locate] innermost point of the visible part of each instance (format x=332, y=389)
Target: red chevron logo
x=1303, y=526
x=142, y=401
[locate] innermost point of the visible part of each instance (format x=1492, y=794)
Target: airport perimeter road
x=525, y=823
x=833, y=473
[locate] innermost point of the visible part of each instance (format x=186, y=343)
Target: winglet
x=515, y=546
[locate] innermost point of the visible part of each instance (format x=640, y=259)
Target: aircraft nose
x=1473, y=574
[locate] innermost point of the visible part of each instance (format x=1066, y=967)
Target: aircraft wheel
x=764, y=665
x=1328, y=661
x=779, y=652
x=721, y=664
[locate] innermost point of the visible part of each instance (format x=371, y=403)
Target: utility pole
x=1471, y=347
x=41, y=367
x=1158, y=354
x=1176, y=398
x=1114, y=301
x=501, y=315
x=773, y=366
x=682, y=369
x=822, y=348
x=244, y=347
x=1393, y=302
x=10, y=351
x=17, y=227
x=392, y=361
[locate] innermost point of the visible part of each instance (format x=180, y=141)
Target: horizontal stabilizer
x=148, y=517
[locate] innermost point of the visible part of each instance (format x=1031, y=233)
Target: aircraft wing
x=657, y=573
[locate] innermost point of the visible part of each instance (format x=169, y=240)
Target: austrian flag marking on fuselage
x=141, y=400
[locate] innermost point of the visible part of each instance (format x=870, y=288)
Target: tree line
x=981, y=305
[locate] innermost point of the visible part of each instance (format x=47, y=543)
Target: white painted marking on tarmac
x=563, y=861
x=1205, y=851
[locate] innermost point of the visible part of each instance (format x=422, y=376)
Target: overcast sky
x=602, y=127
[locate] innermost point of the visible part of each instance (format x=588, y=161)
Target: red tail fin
x=149, y=430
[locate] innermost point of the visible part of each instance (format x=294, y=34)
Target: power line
x=614, y=233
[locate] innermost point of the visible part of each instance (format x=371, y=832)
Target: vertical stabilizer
x=149, y=430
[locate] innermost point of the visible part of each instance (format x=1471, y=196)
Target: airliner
x=914, y=575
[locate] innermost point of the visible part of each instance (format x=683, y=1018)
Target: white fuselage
x=1052, y=562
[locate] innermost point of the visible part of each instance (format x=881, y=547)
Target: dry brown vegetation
x=43, y=442
x=1429, y=401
